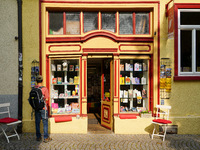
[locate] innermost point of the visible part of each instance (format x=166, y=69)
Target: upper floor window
x=56, y=23
x=141, y=23
x=126, y=23
x=108, y=21
x=189, y=42
x=90, y=21
x=68, y=23
x=72, y=23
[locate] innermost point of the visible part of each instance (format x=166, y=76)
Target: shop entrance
x=98, y=91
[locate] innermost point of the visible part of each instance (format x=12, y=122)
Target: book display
x=65, y=87
x=133, y=85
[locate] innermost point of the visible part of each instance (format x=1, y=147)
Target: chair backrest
x=3, y=109
x=162, y=111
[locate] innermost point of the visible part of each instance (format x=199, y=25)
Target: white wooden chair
x=162, y=118
x=8, y=122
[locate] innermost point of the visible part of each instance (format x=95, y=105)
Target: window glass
x=186, y=51
x=190, y=18
x=56, y=23
x=65, y=87
x=142, y=23
x=72, y=22
x=133, y=85
x=90, y=21
x=198, y=51
x=108, y=21
x=125, y=23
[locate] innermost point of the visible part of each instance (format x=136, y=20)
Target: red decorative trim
x=65, y=50
x=85, y=80
x=98, y=2
x=186, y=78
x=158, y=54
x=84, y=115
x=99, y=34
x=166, y=7
x=80, y=94
x=64, y=23
x=40, y=38
x=127, y=115
x=119, y=88
x=107, y=120
x=115, y=77
x=99, y=49
x=106, y=126
x=102, y=82
x=176, y=40
x=72, y=115
x=134, y=22
x=134, y=50
x=48, y=80
x=151, y=83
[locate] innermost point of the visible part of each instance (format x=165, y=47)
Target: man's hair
x=39, y=79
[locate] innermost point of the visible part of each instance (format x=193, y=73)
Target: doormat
x=92, y=121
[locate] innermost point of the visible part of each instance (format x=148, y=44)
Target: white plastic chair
x=162, y=118
x=8, y=122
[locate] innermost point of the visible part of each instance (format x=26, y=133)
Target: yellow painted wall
x=30, y=34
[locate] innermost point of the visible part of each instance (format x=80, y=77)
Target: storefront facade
x=109, y=54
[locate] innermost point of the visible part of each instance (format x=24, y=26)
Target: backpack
x=36, y=98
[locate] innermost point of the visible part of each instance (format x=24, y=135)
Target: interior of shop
x=95, y=69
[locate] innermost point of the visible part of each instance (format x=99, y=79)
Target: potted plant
x=145, y=114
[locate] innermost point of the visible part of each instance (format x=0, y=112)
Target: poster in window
x=171, y=22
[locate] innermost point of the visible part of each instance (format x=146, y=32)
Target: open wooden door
x=107, y=94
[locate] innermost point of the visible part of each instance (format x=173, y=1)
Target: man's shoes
x=47, y=140
x=39, y=139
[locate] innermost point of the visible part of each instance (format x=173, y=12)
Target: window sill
x=186, y=78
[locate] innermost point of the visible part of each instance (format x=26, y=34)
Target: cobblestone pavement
x=102, y=142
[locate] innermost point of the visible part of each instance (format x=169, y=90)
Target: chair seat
x=8, y=120
x=163, y=121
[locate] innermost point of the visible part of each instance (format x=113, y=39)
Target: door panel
x=107, y=94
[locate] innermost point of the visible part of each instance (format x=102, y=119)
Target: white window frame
x=193, y=28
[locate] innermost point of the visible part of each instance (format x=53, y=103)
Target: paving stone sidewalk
x=102, y=142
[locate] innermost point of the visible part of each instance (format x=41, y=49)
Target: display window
x=65, y=81
x=134, y=85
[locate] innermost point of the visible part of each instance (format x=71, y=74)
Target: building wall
x=9, y=55
x=185, y=110
x=30, y=33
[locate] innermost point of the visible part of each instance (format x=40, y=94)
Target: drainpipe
x=20, y=65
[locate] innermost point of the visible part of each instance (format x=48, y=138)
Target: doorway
x=98, y=82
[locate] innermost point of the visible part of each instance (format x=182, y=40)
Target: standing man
x=42, y=114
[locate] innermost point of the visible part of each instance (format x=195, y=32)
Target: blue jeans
x=40, y=114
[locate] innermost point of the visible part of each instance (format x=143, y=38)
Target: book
x=76, y=68
x=59, y=67
x=59, y=80
x=121, y=67
x=53, y=67
x=71, y=67
x=54, y=81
